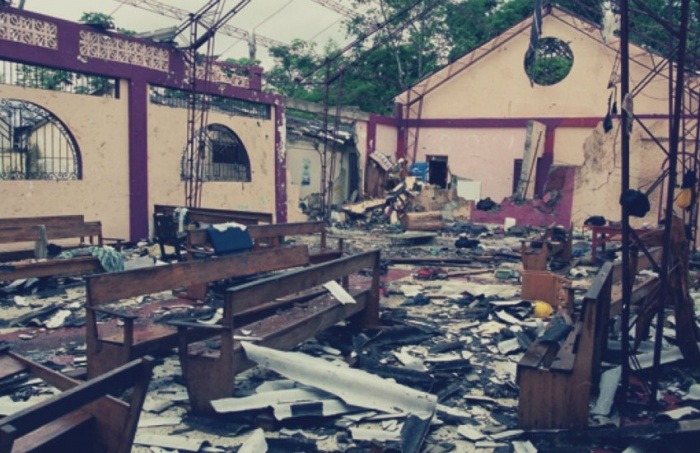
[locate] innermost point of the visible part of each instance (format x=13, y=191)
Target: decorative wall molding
x=26, y=30
x=218, y=75
x=106, y=47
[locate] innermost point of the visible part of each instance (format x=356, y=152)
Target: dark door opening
x=437, y=171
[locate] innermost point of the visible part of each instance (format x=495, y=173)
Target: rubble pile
x=439, y=375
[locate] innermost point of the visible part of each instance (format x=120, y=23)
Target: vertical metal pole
x=324, y=155
x=672, y=174
x=625, y=163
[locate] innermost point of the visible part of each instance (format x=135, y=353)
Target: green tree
x=96, y=19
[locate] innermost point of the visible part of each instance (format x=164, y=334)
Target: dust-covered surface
x=453, y=331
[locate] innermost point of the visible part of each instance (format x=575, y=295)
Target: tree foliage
x=438, y=33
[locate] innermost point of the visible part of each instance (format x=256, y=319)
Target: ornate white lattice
x=218, y=75
x=28, y=31
x=105, y=47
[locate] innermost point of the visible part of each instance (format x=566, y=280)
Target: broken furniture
x=169, y=231
x=548, y=287
x=139, y=335
x=550, y=246
x=602, y=234
x=555, y=374
x=210, y=366
x=273, y=235
x=83, y=418
x=56, y=229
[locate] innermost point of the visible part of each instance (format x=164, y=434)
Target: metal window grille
x=35, y=144
x=45, y=78
x=230, y=106
x=224, y=157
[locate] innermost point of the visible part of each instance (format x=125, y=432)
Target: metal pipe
x=625, y=183
x=672, y=174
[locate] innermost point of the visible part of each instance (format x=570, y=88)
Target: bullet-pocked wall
x=167, y=139
x=131, y=150
x=475, y=112
x=99, y=126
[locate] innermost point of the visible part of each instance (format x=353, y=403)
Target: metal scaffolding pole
x=625, y=163
x=670, y=195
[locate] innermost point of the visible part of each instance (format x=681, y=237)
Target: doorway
x=437, y=170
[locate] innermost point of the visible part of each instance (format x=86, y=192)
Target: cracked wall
x=598, y=180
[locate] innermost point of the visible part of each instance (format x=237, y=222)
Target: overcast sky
x=281, y=20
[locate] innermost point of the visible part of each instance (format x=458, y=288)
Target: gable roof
x=553, y=12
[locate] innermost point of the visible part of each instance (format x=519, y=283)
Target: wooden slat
x=52, y=267
x=52, y=431
x=73, y=399
x=287, y=329
x=285, y=229
x=111, y=287
x=19, y=222
x=252, y=294
x=10, y=367
x=53, y=232
x=535, y=354
x=260, y=216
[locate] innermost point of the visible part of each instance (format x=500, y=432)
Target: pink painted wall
x=386, y=140
x=473, y=154
x=167, y=143
x=494, y=87
x=99, y=126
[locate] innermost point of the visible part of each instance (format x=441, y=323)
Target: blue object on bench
x=230, y=240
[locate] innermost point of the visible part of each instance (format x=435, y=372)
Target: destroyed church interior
x=349, y=226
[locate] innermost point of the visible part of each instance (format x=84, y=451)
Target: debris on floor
x=439, y=374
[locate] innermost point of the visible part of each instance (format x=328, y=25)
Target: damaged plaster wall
x=100, y=128
x=386, y=141
x=568, y=143
x=484, y=155
x=597, y=188
x=166, y=146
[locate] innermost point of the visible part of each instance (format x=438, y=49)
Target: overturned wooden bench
x=83, y=418
x=209, y=370
x=555, y=377
x=266, y=236
x=139, y=335
x=87, y=233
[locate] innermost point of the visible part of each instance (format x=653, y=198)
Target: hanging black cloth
x=636, y=202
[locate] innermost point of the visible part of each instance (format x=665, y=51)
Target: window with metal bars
x=224, y=157
x=35, y=144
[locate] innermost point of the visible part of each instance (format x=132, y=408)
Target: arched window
x=35, y=144
x=225, y=157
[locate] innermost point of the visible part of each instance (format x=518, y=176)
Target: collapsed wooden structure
x=84, y=417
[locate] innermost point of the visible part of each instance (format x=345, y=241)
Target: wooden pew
x=13, y=269
x=265, y=236
x=212, y=216
x=536, y=259
x=83, y=418
x=140, y=336
x=209, y=369
x=555, y=378
x=165, y=226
